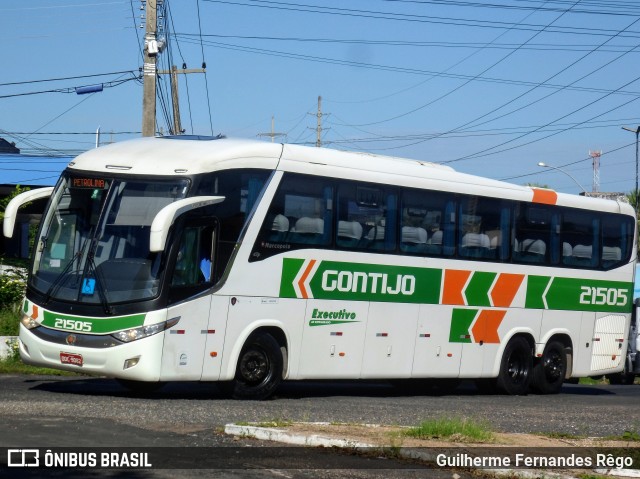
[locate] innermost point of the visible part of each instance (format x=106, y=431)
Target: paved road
x=96, y=412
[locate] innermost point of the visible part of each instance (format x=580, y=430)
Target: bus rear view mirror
x=167, y=215
x=11, y=211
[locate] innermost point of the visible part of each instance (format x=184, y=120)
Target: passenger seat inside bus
x=279, y=229
x=434, y=244
x=475, y=245
x=414, y=239
x=307, y=230
x=349, y=234
x=374, y=239
x=611, y=256
x=530, y=251
x=582, y=255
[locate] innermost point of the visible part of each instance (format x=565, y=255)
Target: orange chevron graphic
x=486, y=326
x=505, y=289
x=454, y=281
x=303, y=279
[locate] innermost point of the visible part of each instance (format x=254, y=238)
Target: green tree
x=5, y=201
x=536, y=185
x=632, y=196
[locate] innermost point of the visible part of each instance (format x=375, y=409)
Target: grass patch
x=453, y=429
x=630, y=436
x=15, y=366
x=9, y=322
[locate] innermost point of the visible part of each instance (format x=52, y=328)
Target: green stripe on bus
x=461, y=320
x=477, y=292
x=81, y=324
x=290, y=268
x=334, y=280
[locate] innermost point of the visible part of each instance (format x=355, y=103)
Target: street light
x=637, y=132
x=544, y=165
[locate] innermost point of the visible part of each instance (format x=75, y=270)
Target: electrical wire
x=306, y=8
x=204, y=63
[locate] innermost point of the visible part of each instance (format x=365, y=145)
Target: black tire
x=259, y=369
x=140, y=387
x=623, y=378
x=550, y=370
x=515, y=368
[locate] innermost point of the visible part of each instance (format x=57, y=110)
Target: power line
x=465, y=22
x=408, y=70
x=26, y=82
x=555, y=47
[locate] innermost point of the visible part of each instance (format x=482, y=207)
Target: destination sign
x=91, y=183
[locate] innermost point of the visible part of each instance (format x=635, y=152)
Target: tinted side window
x=484, y=228
x=580, y=239
x=300, y=216
x=617, y=240
x=366, y=217
x=424, y=219
x=533, y=239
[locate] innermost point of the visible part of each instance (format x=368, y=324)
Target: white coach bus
x=245, y=262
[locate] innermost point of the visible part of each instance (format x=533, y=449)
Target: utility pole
x=595, y=155
x=319, y=128
x=149, y=71
x=177, y=127
x=174, y=72
x=273, y=133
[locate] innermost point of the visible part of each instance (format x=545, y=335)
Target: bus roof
x=193, y=155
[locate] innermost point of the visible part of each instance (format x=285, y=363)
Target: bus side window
x=366, y=217
x=422, y=214
x=194, y=262
x=532, y=234
x=580, y=237
x=617, y=238
x=299, y=216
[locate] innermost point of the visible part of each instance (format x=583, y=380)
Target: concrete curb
x=314, y=440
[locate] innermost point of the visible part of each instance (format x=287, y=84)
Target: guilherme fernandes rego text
x=524, y=460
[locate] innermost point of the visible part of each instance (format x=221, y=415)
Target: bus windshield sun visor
x=167, y=215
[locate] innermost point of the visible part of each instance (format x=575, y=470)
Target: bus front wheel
x=550, y=370
x=515, y=368
x=259, y=369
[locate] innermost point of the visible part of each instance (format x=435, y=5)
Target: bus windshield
x=94, y=241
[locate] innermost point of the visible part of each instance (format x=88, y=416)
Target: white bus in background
x=249, y=263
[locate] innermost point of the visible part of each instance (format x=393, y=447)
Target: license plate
x=70, y=358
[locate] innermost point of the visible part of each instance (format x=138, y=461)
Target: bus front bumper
x=138, y=360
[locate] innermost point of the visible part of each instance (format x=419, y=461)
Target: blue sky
x=490, y=88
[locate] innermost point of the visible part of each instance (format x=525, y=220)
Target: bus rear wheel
x=550, y=370
x=622, y=378
x=515, y=368
x=259, y=369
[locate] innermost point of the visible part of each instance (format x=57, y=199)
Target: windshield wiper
x=100, y=283
x=67, y=270
x=63, y=274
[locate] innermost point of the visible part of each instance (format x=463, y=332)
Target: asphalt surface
x=77, y=412
x=601, y=410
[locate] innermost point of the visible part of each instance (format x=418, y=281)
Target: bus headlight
x=134, y=334
x=28, y=322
